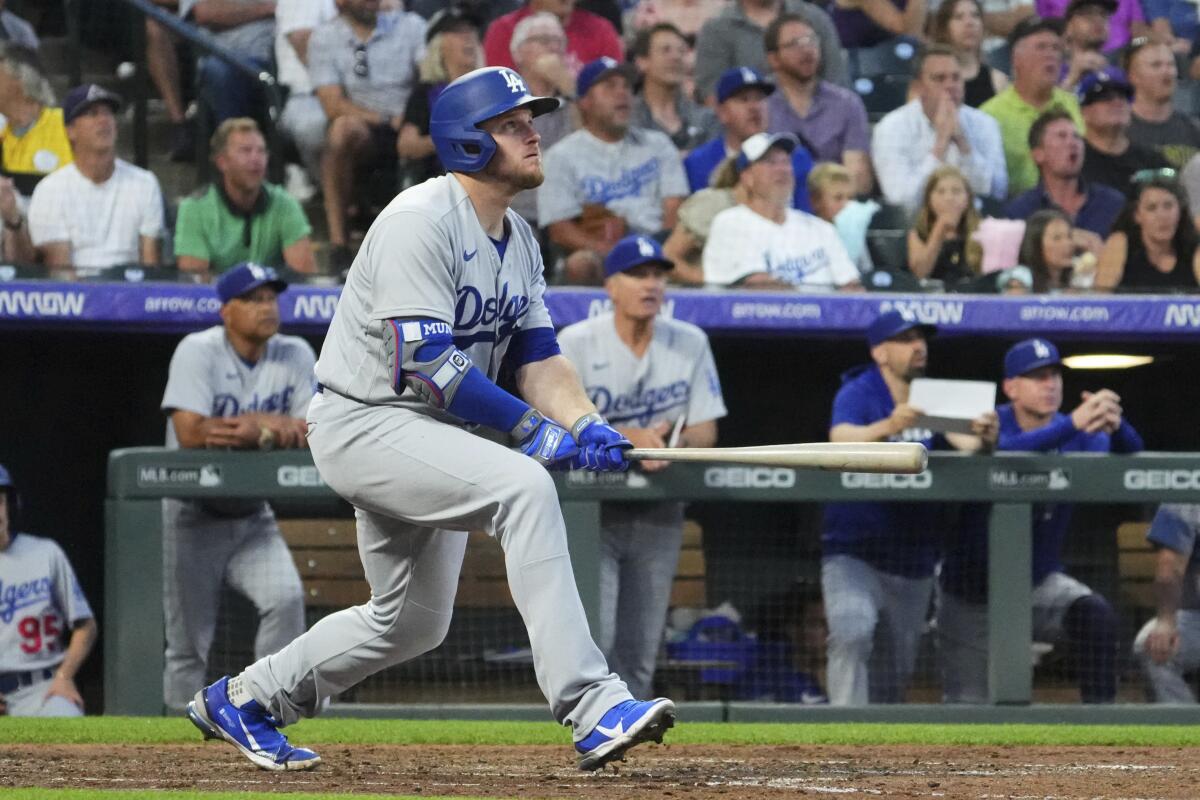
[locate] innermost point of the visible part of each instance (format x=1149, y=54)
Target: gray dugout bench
x=138, y=479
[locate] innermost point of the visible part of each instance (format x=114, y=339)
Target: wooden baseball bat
x=906, y=458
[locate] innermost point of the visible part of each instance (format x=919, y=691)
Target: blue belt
x=11, y=681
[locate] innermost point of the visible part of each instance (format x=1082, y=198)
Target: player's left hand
x=65, y=687
x=601, y=446
x=987, y=427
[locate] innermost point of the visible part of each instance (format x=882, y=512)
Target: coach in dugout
x=1064, y=609
x=878, y=558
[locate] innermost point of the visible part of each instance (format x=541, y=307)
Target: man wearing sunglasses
x=1110, y=156
x=363, y=66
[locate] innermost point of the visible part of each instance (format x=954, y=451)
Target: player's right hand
x=903, y=417
x=547, y=443
x=1162, y=642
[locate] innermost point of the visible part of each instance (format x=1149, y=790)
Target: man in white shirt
x=99, y=211
x=767, y=244
x=935, y=128
x=303, y=117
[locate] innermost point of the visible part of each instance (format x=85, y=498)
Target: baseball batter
x=645, y=374
x=244, y=385
x=448, y=285
x=40, y=601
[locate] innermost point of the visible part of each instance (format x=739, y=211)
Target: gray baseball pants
x=417, y=486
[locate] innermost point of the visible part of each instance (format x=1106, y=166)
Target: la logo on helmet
x=513, y=81
x=1040, y=349
x=645, y=248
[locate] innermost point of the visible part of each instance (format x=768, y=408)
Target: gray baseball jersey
x=40, y=602
x=631, y=178
x=427, y=256
x=676, y=376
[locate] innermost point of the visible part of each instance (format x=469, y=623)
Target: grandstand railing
x=139, y=478
x=205, y=43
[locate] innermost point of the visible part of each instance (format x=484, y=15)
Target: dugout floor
x=692, y=771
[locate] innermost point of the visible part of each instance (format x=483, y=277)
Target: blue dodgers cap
x=890, y=324
x=1029, y=355
x=81, y=98
x=1101, y=84
x=246, y=277
x=734, y=79
x=595, y=71
x=760, y=144
x=633, y=251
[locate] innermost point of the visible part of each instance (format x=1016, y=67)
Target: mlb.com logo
x=929, y=312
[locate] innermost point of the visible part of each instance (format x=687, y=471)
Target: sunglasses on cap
x=1145, y=175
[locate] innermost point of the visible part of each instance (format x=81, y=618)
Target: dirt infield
x=692, y=771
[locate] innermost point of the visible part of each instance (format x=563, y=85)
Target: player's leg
x=413, y=574
x=196, y=547
x=852, y=600
x=31, y=701
x=614, y=547
x=962, y=630
x=902, y=618
x=647, y=574
x=262, y=569
x=1066, y=610
x=1166, y=681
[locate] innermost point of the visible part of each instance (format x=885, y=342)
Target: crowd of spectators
x=1010, y=108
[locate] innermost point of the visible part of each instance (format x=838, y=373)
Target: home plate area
x=692, y=771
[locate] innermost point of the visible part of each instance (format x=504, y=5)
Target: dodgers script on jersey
x=427, y=256
x=40, y=602
x=675, y=377
x=209, y=378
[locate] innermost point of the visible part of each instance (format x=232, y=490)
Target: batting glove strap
x=601, y=446
x=584, y=422
x=547, y=443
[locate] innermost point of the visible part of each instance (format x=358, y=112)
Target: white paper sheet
x=949, y=406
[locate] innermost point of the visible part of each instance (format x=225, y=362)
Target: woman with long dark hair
x=959, y=24
x=1048, y=250
x=1153, y=241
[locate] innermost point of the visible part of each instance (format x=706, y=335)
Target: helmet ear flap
x=462, y=149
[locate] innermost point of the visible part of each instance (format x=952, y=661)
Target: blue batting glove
x=601, y=446
x=545, y=441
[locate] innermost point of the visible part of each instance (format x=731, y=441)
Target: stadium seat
x=893, y=57
x=882, y=94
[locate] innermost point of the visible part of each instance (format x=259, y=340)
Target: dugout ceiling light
x=1107, y=361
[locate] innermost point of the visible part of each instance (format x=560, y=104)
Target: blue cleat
x=625, y=725
x=248, y=727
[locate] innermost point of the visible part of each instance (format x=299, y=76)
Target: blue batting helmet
x=468, y=101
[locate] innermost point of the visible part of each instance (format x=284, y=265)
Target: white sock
x=238, y=694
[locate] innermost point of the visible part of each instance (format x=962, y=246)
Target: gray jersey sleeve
x=1174, y=527
x=188, y=388
x=410, y=260
x=674, y=178
x=68, y=594
x=706, y=402
x=304, y=360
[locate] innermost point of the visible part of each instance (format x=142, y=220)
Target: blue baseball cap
x=595, y=71
x=734, y=79
x=758, y=145
x=246, y=277
x=1102, y=84
x=81, y=98
x=633, y=251
x=891, y=324
x=1029, y=355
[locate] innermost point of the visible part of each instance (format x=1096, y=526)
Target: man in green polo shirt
x=1037, y=53
x=241, y=217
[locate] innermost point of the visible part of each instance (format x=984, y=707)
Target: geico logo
x=749, y=478
x=1142, y=479
x=299, y=476
x=870, y=480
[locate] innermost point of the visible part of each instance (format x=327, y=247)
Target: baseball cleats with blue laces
x=623, y=726
x=247, y=727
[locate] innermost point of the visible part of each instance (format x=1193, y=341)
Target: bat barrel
x=889, y=457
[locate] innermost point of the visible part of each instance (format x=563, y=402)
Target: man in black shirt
x=1110, y=156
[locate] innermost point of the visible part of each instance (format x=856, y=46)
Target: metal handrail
x=207, y=44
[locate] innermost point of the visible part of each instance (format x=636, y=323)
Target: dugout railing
x=139, y=478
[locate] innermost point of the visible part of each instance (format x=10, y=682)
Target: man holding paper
x=1064, y=609
x=655, y=381
x=878, y=558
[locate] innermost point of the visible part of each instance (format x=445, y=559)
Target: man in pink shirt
x=1125, y=22
x=589, y=36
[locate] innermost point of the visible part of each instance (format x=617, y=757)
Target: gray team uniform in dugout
x=206, y=544
x=676, y=377
x=419, y=480
x=1175, y=527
